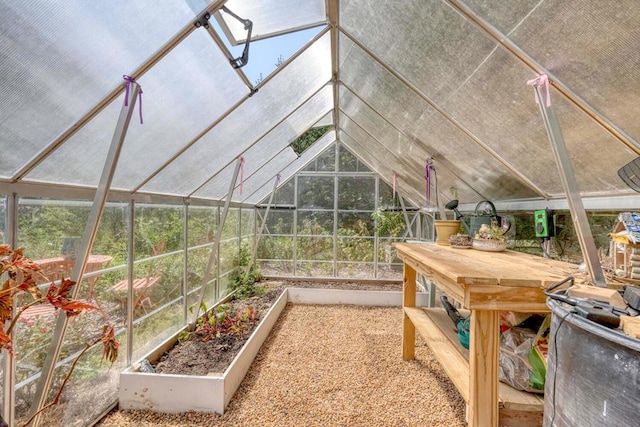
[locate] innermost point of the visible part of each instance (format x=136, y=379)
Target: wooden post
x=484, y=345
x=408, y=300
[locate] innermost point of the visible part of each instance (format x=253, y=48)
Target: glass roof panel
x=251, y=177
x=598, y=61
x=183, y=94
x=59, y=58
x=272, y=145
x=412, y=126
x=270, y=17
x=292, y=86
x=379, y=158
x=498, y=107
x=426, y=41
x=381, y=166
x=327, y=120
x=285, y=174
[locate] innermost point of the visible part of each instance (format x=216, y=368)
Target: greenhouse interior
x=160, y=158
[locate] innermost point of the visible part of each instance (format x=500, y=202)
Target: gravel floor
x=330, y=366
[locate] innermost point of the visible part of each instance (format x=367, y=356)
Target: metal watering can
x=485, y=213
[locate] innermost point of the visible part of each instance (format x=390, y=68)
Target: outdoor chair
x=142, y=287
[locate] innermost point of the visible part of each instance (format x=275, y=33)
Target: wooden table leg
x=408, y=300
x=484, y=347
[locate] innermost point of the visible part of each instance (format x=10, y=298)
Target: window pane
x=356, y=193
x=315, y=192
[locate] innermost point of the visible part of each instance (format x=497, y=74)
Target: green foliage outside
x=245, y=277
x=307, y=139
x=389, y=223
x=566, y=246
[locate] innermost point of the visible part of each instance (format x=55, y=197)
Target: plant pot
x=489, y=245
x=446, y=228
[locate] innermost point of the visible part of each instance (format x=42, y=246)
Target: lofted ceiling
x=403, y=83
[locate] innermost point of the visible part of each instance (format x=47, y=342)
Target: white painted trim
x=235, y=373
x=351, y=297
x=180, y=393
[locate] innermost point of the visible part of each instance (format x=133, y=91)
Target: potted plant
x=445, y=228
x=490, y=238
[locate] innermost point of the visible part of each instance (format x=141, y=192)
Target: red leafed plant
x=222, y=321
x=23, y=274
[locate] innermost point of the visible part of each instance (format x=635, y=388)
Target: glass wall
x=51, y=231
x=158, y=275
x=321, y=225
x=165, y=238
x=202, y=226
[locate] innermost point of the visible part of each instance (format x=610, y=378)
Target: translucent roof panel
x=285, y=174
x=258, y=115
x=270, y=17
x=183, y=94
x=499, y=108
x=379, y=158
x=272, y=145
x=60, y=58
x=426, y=41
x=505, y=16
x=409, y=125
x=254, y=174
x=416, y=81
x=327, y=120
x=599, y=61
x=370, y=158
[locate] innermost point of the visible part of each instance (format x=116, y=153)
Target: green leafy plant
x=220, y=322
x=491, y=232
x=388, y=223
x=245, y=276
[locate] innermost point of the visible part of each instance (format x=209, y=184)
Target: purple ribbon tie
x=427, y=176
x=130, y=80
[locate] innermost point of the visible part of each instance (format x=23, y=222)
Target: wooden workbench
x=484, y=283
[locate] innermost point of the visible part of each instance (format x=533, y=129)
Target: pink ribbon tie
x=241, y=174
x=542, y=81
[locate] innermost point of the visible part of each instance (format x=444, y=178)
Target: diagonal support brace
x=567, y=176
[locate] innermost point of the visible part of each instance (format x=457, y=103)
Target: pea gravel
x=330, y=366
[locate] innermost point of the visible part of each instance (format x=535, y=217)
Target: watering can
x=485, y=213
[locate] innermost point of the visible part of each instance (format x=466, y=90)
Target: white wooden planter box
x=212, y=393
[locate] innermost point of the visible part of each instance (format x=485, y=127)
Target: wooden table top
x=469, y=267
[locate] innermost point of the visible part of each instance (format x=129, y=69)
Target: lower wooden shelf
x=517, y=408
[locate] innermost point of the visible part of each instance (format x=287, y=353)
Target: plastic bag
x=515, y=346
x=523, y=354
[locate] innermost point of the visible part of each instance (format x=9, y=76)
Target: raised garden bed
x=173, y=393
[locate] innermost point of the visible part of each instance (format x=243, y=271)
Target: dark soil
x=195, y=357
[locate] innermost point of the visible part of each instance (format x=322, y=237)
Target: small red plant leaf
x=6, y=308
x=60, y=295
x=5, y=250
x=29, y=286
x=110, y=344
x=59, y=298
x=5, y=341
x=73, y=308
